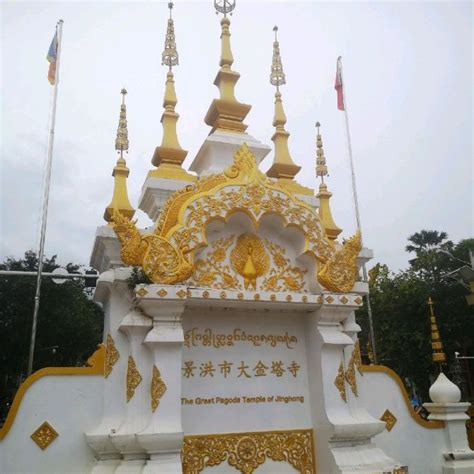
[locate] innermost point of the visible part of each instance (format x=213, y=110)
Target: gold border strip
x=96, y=367
x=417, y=418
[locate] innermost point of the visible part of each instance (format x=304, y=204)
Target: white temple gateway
x=241, y=355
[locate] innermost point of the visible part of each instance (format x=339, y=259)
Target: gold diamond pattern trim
x=389, y=419
x=158, y=388
x=329, y=299
x=304, y=299
x=181, y=293
x=358, y=300
x=320, y=299
x=223, y=295
x=111, y=356
x=205, y=294
x=247, y=451
x=142, y=292
x=166, y=255
x=162, y=293
x=340, y=383
x=133, y=378
x=344, y=300
x=44, y=435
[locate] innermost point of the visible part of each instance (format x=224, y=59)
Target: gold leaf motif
x=329, y=299
x=158, y=388
x=205, y=294
x=283, y=276
x=247, y=451
x=340, y=383
x=166, y=255
x=358, y=300
x=223, y=295
x=142, y=292
x=181, y=293
x=389, y=419
x=351, y=375
x=44, y=435
x=357, y=357
x=133, y=378
x=249, y=259
x=344, y=300
x=111, y=355
x=339, y=273
x=162, y=293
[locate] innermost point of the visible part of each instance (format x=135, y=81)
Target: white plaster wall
x=408, y=442
x=71, y=404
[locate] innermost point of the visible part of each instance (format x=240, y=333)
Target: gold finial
x=283, y=166
x=170, y=56
x=121, y=141
x=437, y=346
x=120, y=201
x=325, y=214
x=226, y=112
x=169, y=156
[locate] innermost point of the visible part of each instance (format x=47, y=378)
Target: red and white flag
x=339, y=86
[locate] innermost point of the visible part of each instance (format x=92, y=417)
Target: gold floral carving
x=389, y=419
x=351, y=375
x=158, y=388
x=212, y=271
x=340, y=272
x=357, y=357
x=111, y=355
x=249, y=259
x=340, y=383
x=133, y=378
x=44, y=435
x=167, y=254
x=283, y=276
x=247, y=451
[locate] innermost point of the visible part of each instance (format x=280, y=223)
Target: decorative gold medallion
x=288, y=298
x=340, y=383
x=44, y=435
x=133, y=378
x=320, y=299
x=358, y=300
x=223, y=295
x=304, y=299
x=142, y=292
x=162, y=293
x=158, y=388
x=111, y=355
x=240, y=296
x=247, y=451
x=181, y=293
x=249, y=259
x=329, y=299
x=256, y=296
x=205, y=294
x=273, y=297
x=389, y=419
x=344, y=300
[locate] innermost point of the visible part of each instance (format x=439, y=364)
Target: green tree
x=69, y=323
x=401, y=313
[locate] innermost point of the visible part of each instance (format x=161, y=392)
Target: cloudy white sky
x=408, y=71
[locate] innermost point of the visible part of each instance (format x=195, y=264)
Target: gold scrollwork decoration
x=283, y=276
x=111, y=355
x=167, y=254
x=133, y=378
x=158, y=388
x=358, y=357
x=351, y=375
x=340, y=272
x=340, y=383
x=247, y=451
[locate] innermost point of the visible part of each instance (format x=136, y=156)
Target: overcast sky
x=408, y=73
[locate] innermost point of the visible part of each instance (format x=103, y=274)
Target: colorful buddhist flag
x=339, y=86
x=52, y=58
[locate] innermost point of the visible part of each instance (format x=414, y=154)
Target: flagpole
x=44, y=216
x=356, y=203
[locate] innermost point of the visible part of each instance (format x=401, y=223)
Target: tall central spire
x=169, y=156
x=437, y=346
x=226, y=112
x=283, y=166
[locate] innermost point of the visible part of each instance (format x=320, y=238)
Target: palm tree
x=426, y=241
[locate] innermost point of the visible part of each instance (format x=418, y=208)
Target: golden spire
x=120, y=201
x=332, y=230
x=436, y=344
x=283, y=166
x=226, y=112
x=169, y=156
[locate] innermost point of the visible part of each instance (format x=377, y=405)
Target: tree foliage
x=401, y=314
x=69, y=323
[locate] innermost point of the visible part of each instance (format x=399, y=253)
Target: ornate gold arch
x=167, y=254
